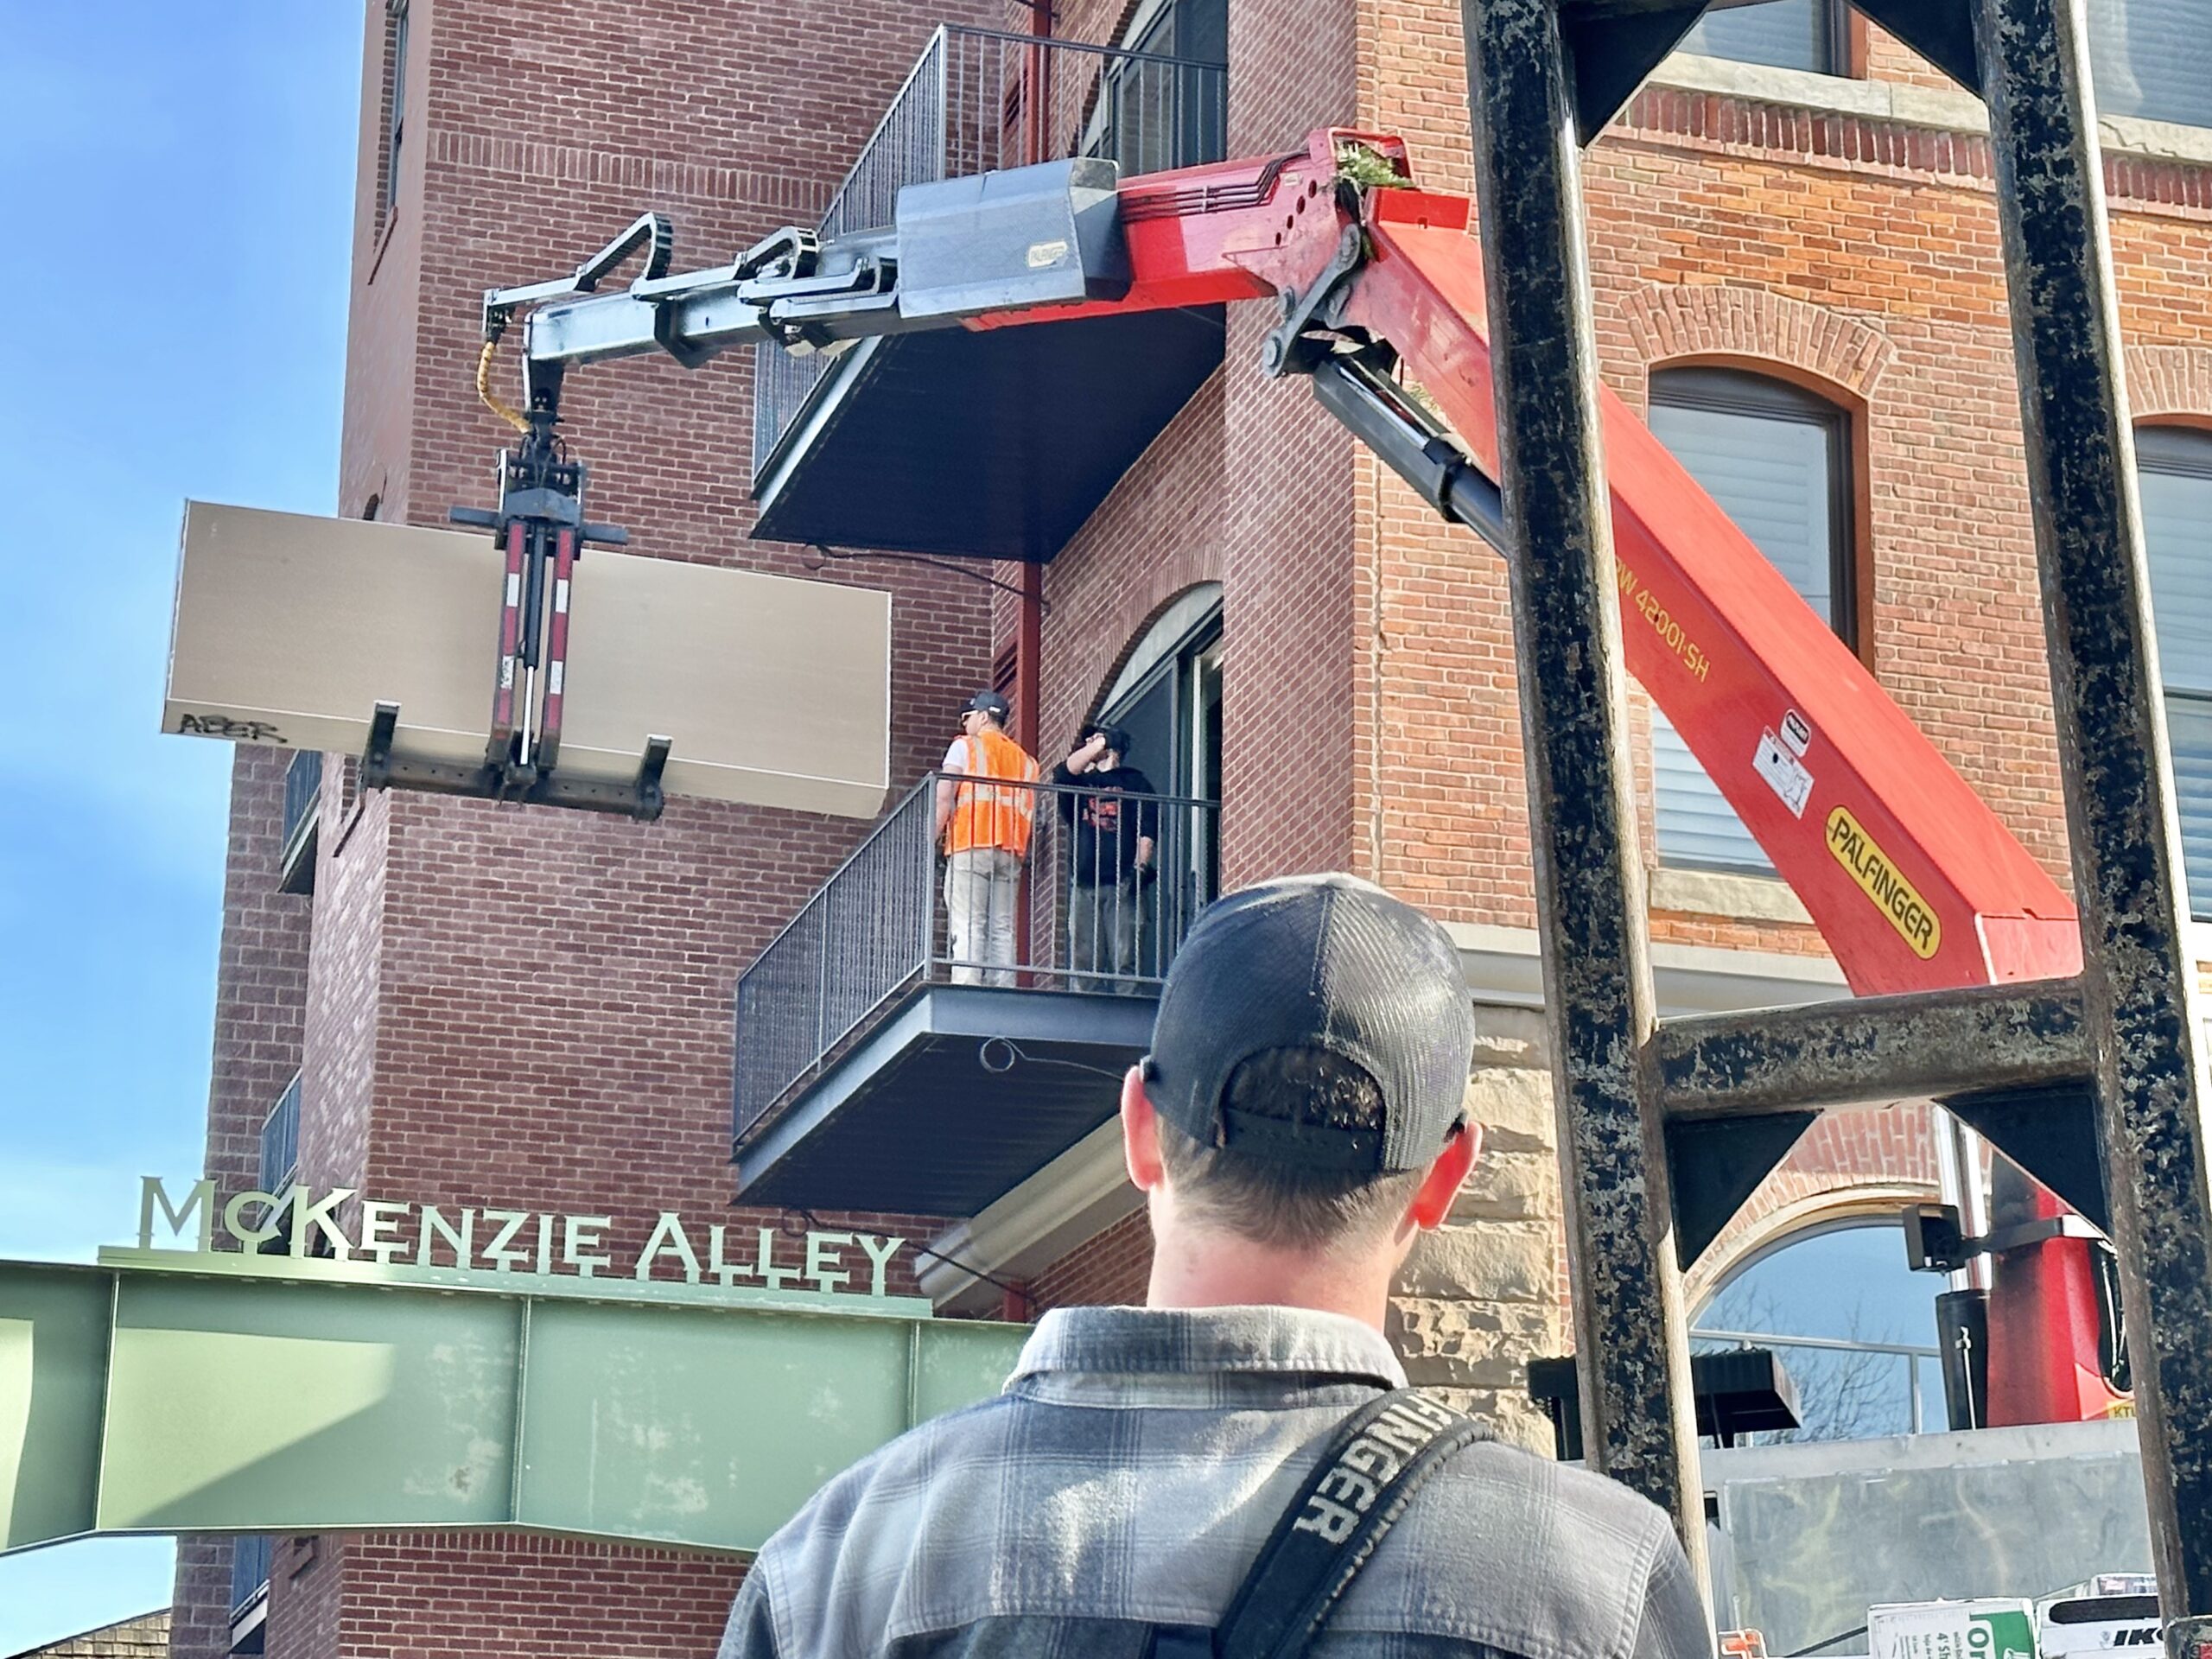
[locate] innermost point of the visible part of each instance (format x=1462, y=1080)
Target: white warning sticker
x=1784, y=773
x=1797, y=732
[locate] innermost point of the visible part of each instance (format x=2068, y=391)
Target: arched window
x=2174, y=465
x=1851, y=1322
x=1788, y=34
x=1168, y=695
x=2152, y=58
x=1777, y=459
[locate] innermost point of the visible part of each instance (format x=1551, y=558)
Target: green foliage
x=1358, y=164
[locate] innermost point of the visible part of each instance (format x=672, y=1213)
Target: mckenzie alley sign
x=510, y=1241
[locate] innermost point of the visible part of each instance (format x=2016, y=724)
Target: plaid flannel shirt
x=1127, y=1478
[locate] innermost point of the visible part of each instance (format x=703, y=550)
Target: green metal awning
x=176, y=1391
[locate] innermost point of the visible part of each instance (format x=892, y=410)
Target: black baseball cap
x=1116, y=738
x=986, y=701
x=1326, y=962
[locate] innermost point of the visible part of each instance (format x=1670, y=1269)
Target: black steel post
x=2138, y=981
x=1630, y=1336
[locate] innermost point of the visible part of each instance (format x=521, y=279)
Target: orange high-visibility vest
x=984, y=815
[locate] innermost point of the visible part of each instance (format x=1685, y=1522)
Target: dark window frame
x=1734, y=388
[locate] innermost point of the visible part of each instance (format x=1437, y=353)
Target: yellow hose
x=507, y=412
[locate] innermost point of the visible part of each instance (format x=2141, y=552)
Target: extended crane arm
x=1913, y=881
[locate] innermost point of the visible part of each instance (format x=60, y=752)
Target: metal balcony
x=303, y=811
x=877, y=1068
x=996, y=444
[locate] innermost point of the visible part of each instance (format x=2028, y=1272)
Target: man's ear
x=1140, y=1133
x=1433, y=1199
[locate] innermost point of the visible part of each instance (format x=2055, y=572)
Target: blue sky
x=177, y=186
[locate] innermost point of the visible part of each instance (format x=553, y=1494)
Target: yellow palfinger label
x=1879, y=879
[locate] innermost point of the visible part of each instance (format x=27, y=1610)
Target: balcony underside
x=915, y=1119
x=995, y=444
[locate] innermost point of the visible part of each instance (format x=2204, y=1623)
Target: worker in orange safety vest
x=986, y=806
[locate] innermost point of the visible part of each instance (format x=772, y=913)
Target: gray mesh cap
x=1326, y=962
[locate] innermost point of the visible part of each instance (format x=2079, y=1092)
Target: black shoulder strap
x=1372, y=1469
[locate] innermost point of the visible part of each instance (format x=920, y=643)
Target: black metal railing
x=302, y=808
x=1099, y=901
x=280, y=1138
x=981, y=99
x=250, y=1562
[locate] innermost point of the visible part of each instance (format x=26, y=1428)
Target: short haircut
x=1283, y=1205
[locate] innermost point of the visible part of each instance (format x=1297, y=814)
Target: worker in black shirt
x=1113, y=825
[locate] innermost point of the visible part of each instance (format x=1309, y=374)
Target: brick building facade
x=489, y=1005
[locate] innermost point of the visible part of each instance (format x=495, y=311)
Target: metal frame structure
x=1541, y=75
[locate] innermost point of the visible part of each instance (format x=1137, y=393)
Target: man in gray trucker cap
x=1300, y=1121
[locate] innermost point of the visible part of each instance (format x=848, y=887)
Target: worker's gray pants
x=1103, y=934
x=982, y=886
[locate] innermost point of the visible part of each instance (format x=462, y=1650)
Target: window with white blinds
x=2149, y=58
x=2152, y=58
x=1776, y=458
x=2176, y=469
x=1788, y=34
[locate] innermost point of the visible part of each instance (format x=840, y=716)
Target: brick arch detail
x=1091, y=669
x=2167, y=381
x=1669, y=323
x=1782, y=1209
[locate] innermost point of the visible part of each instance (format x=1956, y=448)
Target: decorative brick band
x=2163, y=381
x=1786, y=131
x=574, y=163
x=1667, y=323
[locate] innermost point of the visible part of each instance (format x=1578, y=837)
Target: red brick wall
x=1288, y=562
x=1249, y=485
x=1111, y=1269
x=432, y=1595
x=344, y=987
x=200, y=1600
x=532, y=1006
x=381, y=374
x=306, y=1577
x=1157, y=536
x=260, y=975
x=260, y=997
